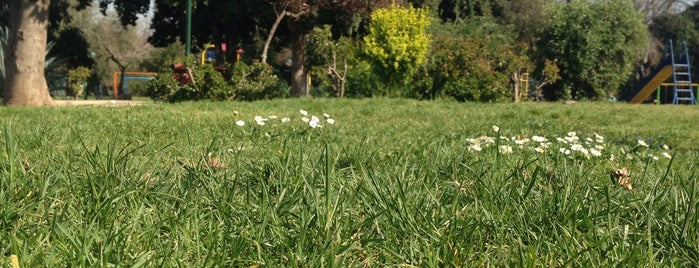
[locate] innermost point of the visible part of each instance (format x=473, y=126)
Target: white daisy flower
x=642, y=143
x=240, y=123
x=506, y=149
x=303, y=112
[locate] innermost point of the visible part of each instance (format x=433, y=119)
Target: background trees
x=477, y=50
x=595, y=45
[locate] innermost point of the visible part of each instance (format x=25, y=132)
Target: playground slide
x=652, y=82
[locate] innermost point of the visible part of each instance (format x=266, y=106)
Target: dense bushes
x=247, y=82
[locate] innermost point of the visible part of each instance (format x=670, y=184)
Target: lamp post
x=239, y=52
x=188, y=34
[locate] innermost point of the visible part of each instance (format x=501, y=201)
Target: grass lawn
x=390, y=182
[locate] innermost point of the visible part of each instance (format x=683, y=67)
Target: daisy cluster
x=311, y=120
x=572, y=144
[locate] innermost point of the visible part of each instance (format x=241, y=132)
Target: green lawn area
x=391, y=182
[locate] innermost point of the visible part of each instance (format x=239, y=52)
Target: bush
x=163, y=86
x=256, y=82
x=463, y=69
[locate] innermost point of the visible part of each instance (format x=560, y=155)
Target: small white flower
x=259, y=118
x=261, y=123
x=506, y=149
x=521, y=141
x=285, y=120
x=272, y=117
x=326, y=115
x=305, y=119
x=666, y=155
x=315, y=118
x=599, y=138
x=330, y=121
x=474, y=148
x=665, y=147
x=240, y=123
x=496, y=128
x=313, y=124
x=564, y=151
x=595, y=152
x=584, y=151
x=653, y=157
x=539, y=150
x=303, y=112
x=572, y=134
x=642, y=143
x=539, y=139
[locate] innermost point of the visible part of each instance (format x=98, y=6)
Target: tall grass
x=392, y=182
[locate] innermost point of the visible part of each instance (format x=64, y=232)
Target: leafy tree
x=78, y=80
x=595, y=45
x=397, y=42
x=332, y=56
x=105, y=37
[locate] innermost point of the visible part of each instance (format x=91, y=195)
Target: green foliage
x=256, y=82
x=397, y=42
x=247, y=82
x=210, y=84
x=163, y=86
x=595, y=45
x=78, y=80
x=471, y=60
x=678, y=28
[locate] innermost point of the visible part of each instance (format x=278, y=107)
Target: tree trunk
x=25, y=83
x=298, y=60
x=280, y=16
x=514, y=78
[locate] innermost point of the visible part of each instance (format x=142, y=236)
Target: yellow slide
x=653, y=84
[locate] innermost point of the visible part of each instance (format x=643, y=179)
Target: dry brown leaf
x=215, y=162
x=622, y=177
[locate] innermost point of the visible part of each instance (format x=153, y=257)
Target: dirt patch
x=99, y=102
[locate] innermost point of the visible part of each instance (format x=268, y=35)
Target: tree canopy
x=509, y=38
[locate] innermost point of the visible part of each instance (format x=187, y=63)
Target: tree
x=28, y=26
x=595, y=45
x=25, y=83
x=106, y=36
x=397, y=42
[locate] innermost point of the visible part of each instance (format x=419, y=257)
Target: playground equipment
x=129, y=76
x=675, y=66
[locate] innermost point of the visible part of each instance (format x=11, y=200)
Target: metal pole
x=188, y=37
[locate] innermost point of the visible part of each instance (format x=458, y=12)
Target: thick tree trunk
x=299, y=86
x=25, y=83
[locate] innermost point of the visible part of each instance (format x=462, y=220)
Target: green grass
x=392, y=182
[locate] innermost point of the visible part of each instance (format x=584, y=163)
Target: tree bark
x=25, y=83
x=514, y=79
x=280, y=16
x=299, y=86
x=122, y=69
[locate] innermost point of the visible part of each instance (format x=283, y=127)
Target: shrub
x=256, y=82
x=463, y=69
x=163, y=86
